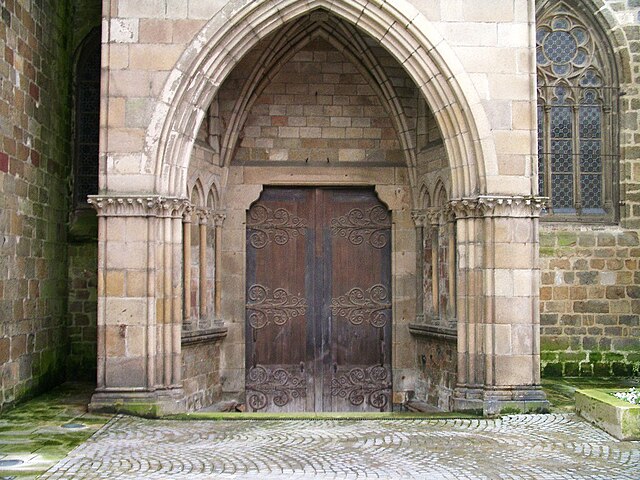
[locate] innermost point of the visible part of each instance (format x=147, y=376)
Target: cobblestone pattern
x=589, y=301
x=520, y=446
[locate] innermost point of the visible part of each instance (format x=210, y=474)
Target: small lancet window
x=87, y=119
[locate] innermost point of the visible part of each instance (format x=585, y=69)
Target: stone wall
x=82, y=308
x=201, y=373
x=589, y=301
x=82, y=222
x=437, y=362
x=34, y=169
x=590, y=287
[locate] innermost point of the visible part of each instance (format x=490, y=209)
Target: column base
x=150, y=404
x=500, y=400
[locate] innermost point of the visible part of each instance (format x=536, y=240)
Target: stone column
x=203, y=224
x=218, y=219
x=419, y=217
x=186, y=265
x=497, y=304
x=139, y=304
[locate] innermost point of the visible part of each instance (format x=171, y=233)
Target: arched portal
x=401, y=30
x=213, y=125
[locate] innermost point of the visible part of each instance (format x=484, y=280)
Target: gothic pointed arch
x=402, y=30
x=578, y=90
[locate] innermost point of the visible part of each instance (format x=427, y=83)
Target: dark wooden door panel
x=357, y=229
x=318, y=301
x=280, y=306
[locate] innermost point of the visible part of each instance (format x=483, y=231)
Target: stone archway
x=140, y=329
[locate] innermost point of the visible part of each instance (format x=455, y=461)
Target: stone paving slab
x=555, y=446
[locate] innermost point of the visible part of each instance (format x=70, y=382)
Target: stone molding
x=432, y=216
x=498, y=206
x=138, y=206
x=207, y=216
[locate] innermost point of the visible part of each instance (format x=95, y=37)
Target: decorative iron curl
x=265, y=307
x=266, y=225
x=359, y=385
x=359, y=226
x=279, y=385
x=358, y=306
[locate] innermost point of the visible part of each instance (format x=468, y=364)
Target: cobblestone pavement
x=519, y=446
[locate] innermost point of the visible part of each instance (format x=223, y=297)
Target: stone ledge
x=617, y=417
x=434, y=331
x=194, y=337
x=148, y=404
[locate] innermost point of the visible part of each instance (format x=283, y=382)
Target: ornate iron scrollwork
x=278, y=306
x=277, y=386
x=358, y=306
x=358, y=385
x=359, y=226
x=267, y=225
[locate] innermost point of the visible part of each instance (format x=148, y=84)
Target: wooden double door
x=318, y=301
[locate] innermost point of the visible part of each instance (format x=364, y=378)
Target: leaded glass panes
x=562, y=191
x=87, y=123
x=591, y=189
x=575, y=99
x=541, y=153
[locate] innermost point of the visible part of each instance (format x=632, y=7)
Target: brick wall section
x=82, y=308
x=318, y=107
x=34, y=167
x=590, y=301
x=438, y=365
x=201, y=374
x=590, y=294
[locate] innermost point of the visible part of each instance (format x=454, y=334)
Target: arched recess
x=402, y=30
x=346, y=39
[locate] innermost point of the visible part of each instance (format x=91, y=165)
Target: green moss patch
x=33, y=431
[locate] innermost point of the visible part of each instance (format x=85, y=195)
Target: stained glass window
x=576, y=100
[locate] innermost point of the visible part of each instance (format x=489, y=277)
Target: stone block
x=617, y=417
x=514, y=370
x=125, y=372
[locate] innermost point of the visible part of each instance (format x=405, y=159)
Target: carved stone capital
x=498, y=206
x=218, y=217
x=188, y=211
x=203, y=215
x=419, y=217
x=138, y=206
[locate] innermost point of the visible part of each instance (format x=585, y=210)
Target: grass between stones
x=40, y=432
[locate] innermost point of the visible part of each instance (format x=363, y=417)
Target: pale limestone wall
x=144, y=41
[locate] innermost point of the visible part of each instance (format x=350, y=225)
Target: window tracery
x=577, y=98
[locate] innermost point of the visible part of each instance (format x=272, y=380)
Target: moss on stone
x=567, y=239
x=552, y=370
